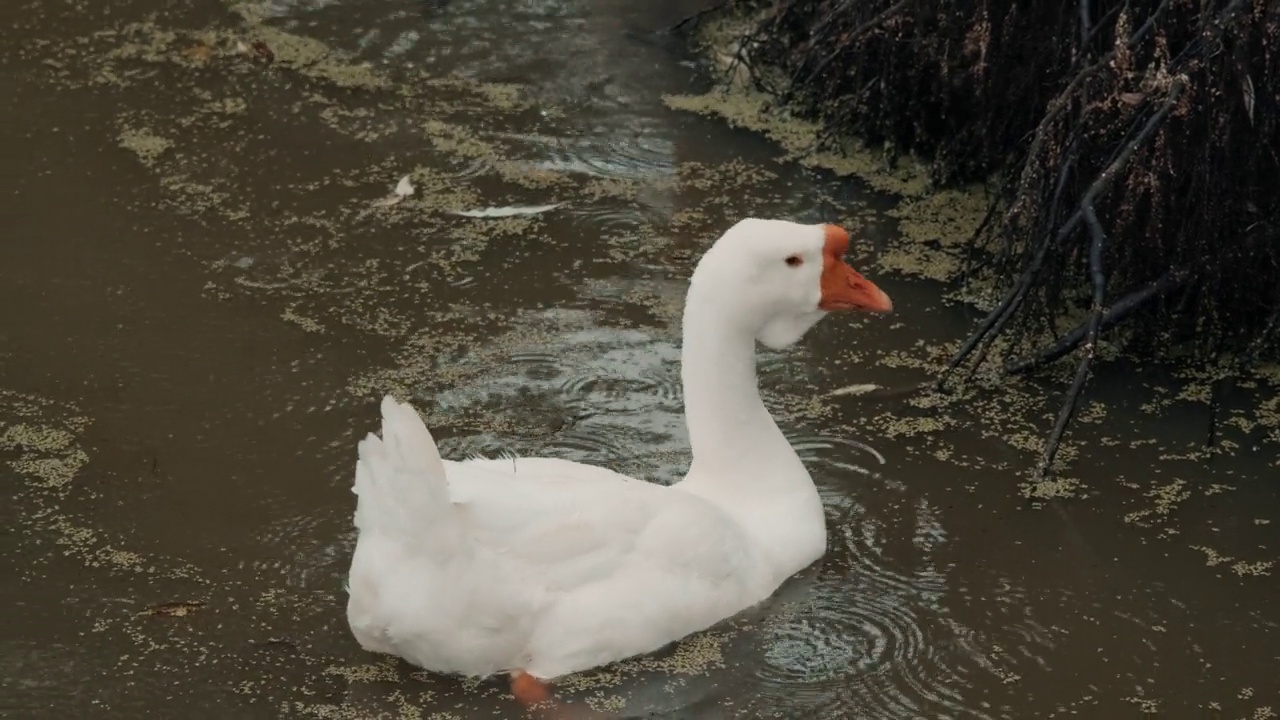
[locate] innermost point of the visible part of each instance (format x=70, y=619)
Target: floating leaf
x=274, y=642
x=262, y=53
x=404, y=189
x=174, y=609
x=199, y=53
x=854, y=390
x=508, y=211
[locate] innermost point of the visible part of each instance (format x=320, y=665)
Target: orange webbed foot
x=528, y=689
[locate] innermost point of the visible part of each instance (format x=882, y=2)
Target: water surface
x=201, y=300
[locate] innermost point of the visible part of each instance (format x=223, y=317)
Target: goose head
x=776, y=279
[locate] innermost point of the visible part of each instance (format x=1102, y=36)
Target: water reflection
x=598, y=86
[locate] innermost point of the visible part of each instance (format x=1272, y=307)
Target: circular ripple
x=315, y=549
x=611, y=154
x=482, y=446
x=611, y=219
x=810, y=447
x=588, y=446
x=872, y=633
x=617, y=390
x=665, y=386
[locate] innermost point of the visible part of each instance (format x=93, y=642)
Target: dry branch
x=1138, y=142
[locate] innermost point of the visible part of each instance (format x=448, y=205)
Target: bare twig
x=1100, y=177
x=1118, y=311
x=853, y=35
x=1149, y=25
x=1102, y=23
x=997, y=318
x=1086, y=24
x=741, y=59
x=694, y=20
x=1097, y=275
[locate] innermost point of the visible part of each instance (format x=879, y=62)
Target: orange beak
x=844, y=288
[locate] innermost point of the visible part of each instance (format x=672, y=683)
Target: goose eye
x=795, y=260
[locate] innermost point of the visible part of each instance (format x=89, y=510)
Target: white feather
x=551, y=566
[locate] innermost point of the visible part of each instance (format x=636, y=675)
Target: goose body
x=541, y=567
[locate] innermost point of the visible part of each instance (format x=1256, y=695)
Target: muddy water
x=204, y=289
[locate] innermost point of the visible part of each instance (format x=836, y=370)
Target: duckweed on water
x=936, y=228
x=42, y=442
x=319, y=253
x=146, y=145
x=695, y=655
x=741, y=105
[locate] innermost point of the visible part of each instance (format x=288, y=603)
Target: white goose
x=544, y=567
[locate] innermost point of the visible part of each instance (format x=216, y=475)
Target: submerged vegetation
x=1133, y=149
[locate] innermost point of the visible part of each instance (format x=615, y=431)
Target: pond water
x=205, y=288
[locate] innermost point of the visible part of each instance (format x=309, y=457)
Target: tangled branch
x=1138, y=145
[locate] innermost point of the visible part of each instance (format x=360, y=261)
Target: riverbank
x=1050, y=187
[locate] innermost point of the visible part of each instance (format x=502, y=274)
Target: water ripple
x=871, y=631
x=872, y=635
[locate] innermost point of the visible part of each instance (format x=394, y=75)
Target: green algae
x=328, y=284
x=42, y=442
x=143, y=143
